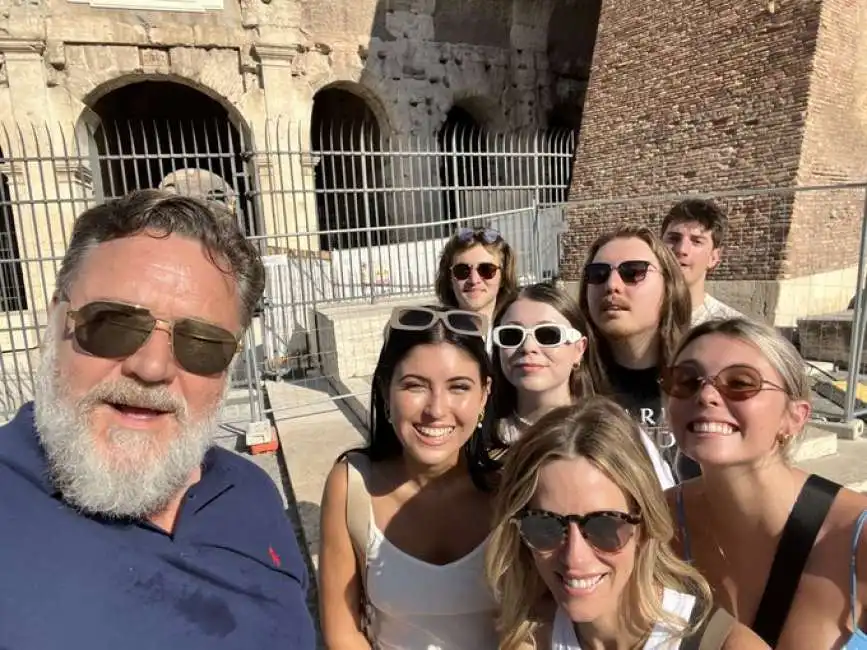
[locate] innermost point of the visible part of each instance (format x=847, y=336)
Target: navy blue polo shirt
x=231, y=575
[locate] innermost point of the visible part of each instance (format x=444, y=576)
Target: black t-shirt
x=638, y=391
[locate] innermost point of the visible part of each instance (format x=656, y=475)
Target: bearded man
x=121, y=525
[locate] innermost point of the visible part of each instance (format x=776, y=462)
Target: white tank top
x=415, y=605
x=563, y=636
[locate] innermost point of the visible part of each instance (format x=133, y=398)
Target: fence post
x=537, y=243
x=454, y=180
x=859, y=317
x=371, y=275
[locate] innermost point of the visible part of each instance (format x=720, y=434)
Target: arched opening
x=12, y=294
x=572, y=30
x=462, y=168
x=150, y=132
x=345, y=136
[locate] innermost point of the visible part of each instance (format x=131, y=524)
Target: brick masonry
x=704, y=97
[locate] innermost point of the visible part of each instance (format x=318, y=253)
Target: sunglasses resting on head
x=116, y=330
x=486, y=235
x=459, y=321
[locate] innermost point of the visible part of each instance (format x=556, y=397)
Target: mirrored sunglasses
x=486, y=270
x=737, y=382
x=486, y=235
x=630, y=271
x=547, y=335
x=422, y=318
x=115, y=330
x=607, y=531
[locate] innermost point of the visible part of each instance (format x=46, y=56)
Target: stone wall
x=412, y=59
x=738, y=96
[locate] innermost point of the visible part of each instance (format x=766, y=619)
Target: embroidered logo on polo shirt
x=274, y=557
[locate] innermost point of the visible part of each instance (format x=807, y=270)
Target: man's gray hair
x=165, y=213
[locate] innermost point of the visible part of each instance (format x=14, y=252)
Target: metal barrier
x=356, y=219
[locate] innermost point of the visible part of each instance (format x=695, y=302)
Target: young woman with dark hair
x=405, y=519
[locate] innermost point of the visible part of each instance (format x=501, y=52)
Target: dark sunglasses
x=486, y=270
x=486, y=235
x=736, y=383
x=114, y=330
x=416, y=319
x=630, y=271
x=606, y=531
x=546, y=335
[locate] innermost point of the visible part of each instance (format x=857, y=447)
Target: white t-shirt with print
x=712, y=309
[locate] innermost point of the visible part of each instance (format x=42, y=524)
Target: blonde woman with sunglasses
x=540, y=345
x=782, y=550
x=405, y=520
x=580, y=557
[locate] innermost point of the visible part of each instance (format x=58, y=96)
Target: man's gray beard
x=135, y=474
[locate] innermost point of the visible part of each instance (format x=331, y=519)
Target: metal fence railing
x=342, y=216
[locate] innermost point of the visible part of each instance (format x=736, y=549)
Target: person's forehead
x=715, y=351
x=689, y=228
x=623, y=249
x=174, y=273
x=531, y=312
x=475, y=254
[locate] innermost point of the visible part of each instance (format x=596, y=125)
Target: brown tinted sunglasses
x=115, y=330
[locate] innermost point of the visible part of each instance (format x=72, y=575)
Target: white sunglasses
x=547, y=335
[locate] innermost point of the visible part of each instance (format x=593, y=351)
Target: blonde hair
x=601, y=432
x=779, y=352
x=675, y=312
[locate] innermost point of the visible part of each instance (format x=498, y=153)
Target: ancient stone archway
x=144, y=133
x=345, y=136
x=463, y=141
x=12, y=291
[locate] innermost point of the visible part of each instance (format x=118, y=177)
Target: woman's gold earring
x=481, y=419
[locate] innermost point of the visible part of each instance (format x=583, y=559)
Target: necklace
x=522, y=421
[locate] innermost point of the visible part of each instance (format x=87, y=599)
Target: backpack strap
x=717, y=630
x=358, y=504
x=793, y=550
x=853, y=566
x=712, y=632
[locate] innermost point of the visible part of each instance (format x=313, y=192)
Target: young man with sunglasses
x=122, y=526
x=638, y=308
x=694, y=230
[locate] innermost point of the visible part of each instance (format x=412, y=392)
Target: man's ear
x=715, y=258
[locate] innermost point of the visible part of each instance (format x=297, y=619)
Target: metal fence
x=354, y=220
x=793, y=257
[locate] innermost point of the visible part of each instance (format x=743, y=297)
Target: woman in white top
x=405, y=520
x=539, y=349
x=580, y=555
